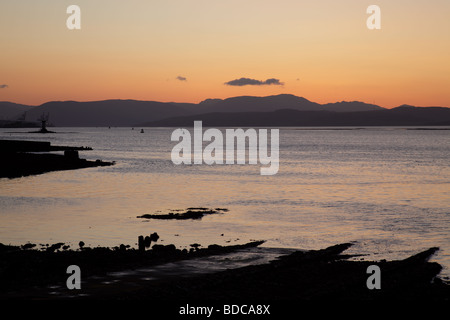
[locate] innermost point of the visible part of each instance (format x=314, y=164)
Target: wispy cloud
x=253, y=82
x=3, y=86
x=181, y=78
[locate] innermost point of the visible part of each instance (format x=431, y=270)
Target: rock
x=195, y=245
x=71, y=154
x=190, y=213
x=154, y=237
x=164, y=249
x=55, y=247
x=141, y=244
x=147, y=242
x=28, y=246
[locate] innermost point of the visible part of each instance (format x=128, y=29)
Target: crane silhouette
x=44, y=119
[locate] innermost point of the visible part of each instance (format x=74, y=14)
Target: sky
x=191, y=50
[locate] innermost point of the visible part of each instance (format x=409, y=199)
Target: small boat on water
x=142, y=130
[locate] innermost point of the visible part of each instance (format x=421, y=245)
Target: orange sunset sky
x=186, y=50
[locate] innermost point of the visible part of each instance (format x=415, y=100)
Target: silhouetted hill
x=12, y=111
x=277, y=110
x=277, y=102
x=210, y=102
x=401, y=116
x=350, y=106
x=105, y=113
x=258, y=104
x=18, y=124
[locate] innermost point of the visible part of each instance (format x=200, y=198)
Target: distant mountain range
x=102, y=113
x=277, y=110
x=282, y=101
x=401, y=116
x=12, y=111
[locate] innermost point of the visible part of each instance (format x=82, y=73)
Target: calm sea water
x=385, y=189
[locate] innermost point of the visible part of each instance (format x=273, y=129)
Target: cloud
x=273, y=81
x=181, y=78
x=253, y=82
x=3, y=86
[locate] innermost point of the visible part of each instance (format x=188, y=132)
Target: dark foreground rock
x=23, y=268
x=318, y=275
x=24, y=158
x=189, y=213
x=313, y=275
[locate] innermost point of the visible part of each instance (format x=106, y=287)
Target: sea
x=384, y=189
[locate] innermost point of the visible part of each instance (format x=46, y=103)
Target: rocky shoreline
x=24, y=267
x=314, y=275
x=25, y=158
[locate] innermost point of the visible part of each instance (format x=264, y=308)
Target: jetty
x=23, y=158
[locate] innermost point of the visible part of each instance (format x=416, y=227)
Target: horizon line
x=240, y=96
